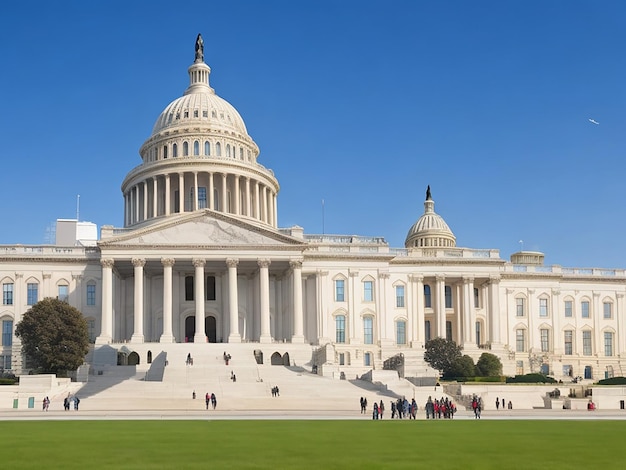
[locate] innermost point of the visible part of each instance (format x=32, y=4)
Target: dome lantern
x=430, y=230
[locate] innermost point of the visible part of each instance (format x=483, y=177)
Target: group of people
x=189, y=360
x=210, y=399
x=363, y=405
x=402, y=408
x=437, y=409
x=67, y=402
x=275, y=391
x=227, y=358
x=503, y=403
x=378, y=410
x=46, y=404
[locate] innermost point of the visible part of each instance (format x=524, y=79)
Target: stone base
x=169, y=339
x=102, y=339
x=137, y=339
x=265, y=339
x=199, y=339
x=297, y=339
x=234, y=339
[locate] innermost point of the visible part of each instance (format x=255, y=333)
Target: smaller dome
x=430, y=230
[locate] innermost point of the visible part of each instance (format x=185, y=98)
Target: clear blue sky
x=360, y=103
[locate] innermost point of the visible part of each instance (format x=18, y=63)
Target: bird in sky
x=593, y=121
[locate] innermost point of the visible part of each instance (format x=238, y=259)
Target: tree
x=441, y=354
x=54, y=336
x=489, y=365
x=461, y=367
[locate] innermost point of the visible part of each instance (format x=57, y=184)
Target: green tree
x=461, y=367
x=489, y=365
x=54, y=336
x=441, y=354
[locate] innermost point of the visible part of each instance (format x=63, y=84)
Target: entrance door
x=190, y=328
x=210, y=329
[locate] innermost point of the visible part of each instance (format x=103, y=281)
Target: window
x=569, y=342
x=64, y=293
x=165, y=151
x=7, y=333
x=210, y=287
x=228, y=150
x=477, y=333
x=587, y=343
x=520, y=307
x=339, y=290
x=608, y=343
x=342, y=359
x=188, y=287
x=401, y=332
x=607, y=308
x=476, y=298
x=368, y=291
x=7, y=293
x=520, y=340
x=584, y=308
x=569, y=308
x=427, y=298
x=202, y=198
x=568, y=370
x=185, y=149
x=449, y=330
x=545, y=340
x=207, y=148
x=519, y=367
x=91, y=330
x=543, y=307
x=400, y=296
x=340, y=328
x=196, y=147
x=367, y=359
x=32, y=293
x=91, y=294
x=588, y=372
x=368, y=330
x=427, y=330
x=448, y=294
x=218, y=149
x=175, y=150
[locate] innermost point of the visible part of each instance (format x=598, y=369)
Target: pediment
x=207, y=229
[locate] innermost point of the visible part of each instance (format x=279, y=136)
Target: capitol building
x=201, y=259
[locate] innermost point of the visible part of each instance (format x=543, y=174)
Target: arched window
x=174, y=150
x=427, y=298
x=241, y=153
x=340, y=328
x=196, y=148
x=207, y=148
x=164, y=151
x=227, y=150
x=218, y=149
x=185, y=149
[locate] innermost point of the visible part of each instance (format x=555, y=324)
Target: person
x=66, y=403
x=413, y=411
x=207, y=400
x=375, y=411
x=193, y=395
x=234, y=378
x=430, y=408
x=510, y=405
x=498, y=404
x=393, y=409
x=381, y=409
x=213, y=400
x=188, y=359
x=44, y=404
x=503, y=402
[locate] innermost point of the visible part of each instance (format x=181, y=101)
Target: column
x=275, y=208
x=126, y=209
x=155, y=198
x=211, y=192
x=248, y=200
x=620, y=339
x=195, y=190
x=270, y=207
x=181, y=192
x=106, y=327
x=469, y=334
x=264, y=204
x=167, y=336
x=440, y=305
x=264, y=294
x=198, y=280
x=145, y=200
x=298, y=314
x=137, y=203
x=138, y=336
x=167, y=195
x=236, y=196
x=257, y=202
x=224, y=205
x=234, y=336
x=494, y=300
x=324, y=333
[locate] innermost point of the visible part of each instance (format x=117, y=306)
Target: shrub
x=489, y=365
x=613, y=381
x=530, y=379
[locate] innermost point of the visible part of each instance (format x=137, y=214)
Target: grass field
x=312, y=444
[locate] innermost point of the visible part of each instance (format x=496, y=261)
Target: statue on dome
x=199, y=49
x=428, y=195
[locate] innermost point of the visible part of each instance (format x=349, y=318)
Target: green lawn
x=312, y=444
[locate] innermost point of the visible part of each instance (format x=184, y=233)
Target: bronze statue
x=199, y=49
x=428, y=195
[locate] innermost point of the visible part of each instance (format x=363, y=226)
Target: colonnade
x=234, y=336
x=161, y=195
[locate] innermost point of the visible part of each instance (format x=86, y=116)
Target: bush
x=613, y=381
x=530, y=379
x=489, y=365
x=461, y=367
x=8, y=381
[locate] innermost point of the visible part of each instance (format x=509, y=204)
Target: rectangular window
x=587, y=343
x=448, y=294
x=64, y=293
x=545, y=340
x=401, y=332
x=477, y=333
x=367, y=359
x=427, y=330
x=584, y=309
x=339, y=290
x=569, y=342
x=368, y=330
x=607, y=308
x=5, y=362
x=188, y=287
x=91, y=294
x=7, y=333
x=543, y=307
x=569, y=308
x=427, y=298
x=519, y=307
x=7, y=293
x=400, y=296
x=210, y=287
x=91, y=330
x=608, y=343
x=340, y=329
x=342, y=359
x=449, y=330
x=520, y=340
x=476, y=298
x=519, y=367
x=368, y=291
x=202, y=198
x=32, y=293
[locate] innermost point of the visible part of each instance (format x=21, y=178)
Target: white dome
x=430, y=230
